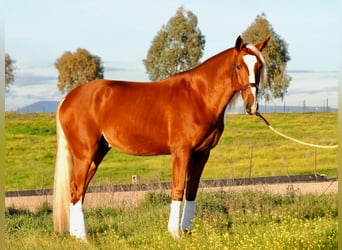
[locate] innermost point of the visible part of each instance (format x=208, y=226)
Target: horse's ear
x=239, y=43
x=260, y=46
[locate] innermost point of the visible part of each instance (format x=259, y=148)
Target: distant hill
x=40, y=107
x=51, y=106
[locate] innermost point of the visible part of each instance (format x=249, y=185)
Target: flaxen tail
x=61, y=190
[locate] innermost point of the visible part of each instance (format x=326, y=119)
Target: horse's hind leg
x=83, y=162
x=102, y=150
x=85, y=166
x=77, y=226
x=197, y=163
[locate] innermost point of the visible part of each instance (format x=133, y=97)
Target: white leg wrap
x=188, y=215
x=174, y=219
x=77, y=224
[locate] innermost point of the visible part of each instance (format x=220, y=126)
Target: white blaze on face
x=250, y=61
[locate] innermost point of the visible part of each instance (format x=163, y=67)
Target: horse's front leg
x=196, y=166
x=180, y=162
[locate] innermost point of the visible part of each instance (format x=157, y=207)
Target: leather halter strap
x=248, y=85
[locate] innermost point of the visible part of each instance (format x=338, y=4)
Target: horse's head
x=250, y=71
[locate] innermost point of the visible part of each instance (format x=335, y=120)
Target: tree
x=178, y=46
x=276, y=56
x=77, y=68
x=9, y=71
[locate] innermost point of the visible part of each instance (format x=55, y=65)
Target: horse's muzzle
x=251, y=109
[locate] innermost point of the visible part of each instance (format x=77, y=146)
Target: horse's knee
x=177, y=194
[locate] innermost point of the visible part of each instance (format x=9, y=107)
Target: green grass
x=223, y=220
x=30, y=151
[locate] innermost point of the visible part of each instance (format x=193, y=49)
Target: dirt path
x=133, y=198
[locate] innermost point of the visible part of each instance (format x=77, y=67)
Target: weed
x=267, y=222
x=156, y=198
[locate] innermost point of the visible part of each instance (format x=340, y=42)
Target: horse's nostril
x=248, y=108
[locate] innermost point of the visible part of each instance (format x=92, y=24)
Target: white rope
x=301, y=142
x=293, y=139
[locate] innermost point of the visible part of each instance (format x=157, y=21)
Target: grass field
x=223, y=220
x=247, y=149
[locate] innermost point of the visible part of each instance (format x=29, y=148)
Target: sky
x=37, y=32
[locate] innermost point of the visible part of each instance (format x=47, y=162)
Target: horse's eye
x=238, y=67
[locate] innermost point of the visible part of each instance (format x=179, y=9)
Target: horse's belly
x=137, y=144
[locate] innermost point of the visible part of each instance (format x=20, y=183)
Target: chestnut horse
x=182, y=115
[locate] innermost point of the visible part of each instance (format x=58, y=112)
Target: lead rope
x=293, y=139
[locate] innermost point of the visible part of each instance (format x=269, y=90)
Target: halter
x=247, y=86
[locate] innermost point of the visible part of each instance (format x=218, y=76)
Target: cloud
x=114, y=69
x=325, y=89
x=31, y=78
x=29, y=88
x=313, y=74
x=304, y=71
x=313, y=84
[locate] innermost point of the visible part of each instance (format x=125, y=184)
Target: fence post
x=315, y=162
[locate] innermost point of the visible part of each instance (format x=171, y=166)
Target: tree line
x=177, y=46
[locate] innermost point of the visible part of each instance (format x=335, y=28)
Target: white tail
x=61, y=190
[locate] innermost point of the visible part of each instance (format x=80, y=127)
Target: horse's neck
x=213, y=81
